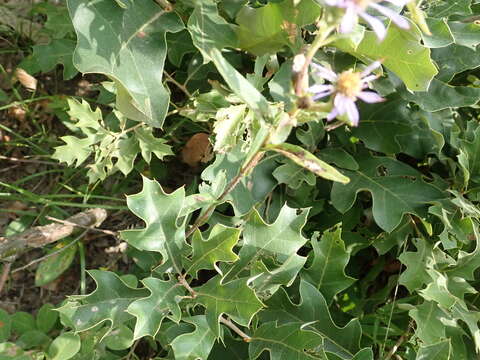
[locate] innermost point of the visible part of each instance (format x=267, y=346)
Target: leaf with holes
x=309, y=161
x=396, y=188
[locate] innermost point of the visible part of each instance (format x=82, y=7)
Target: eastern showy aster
x=346, y=88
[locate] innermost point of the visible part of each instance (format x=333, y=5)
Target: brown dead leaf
x=17, y=113
x=27, y=80
x=197, y=149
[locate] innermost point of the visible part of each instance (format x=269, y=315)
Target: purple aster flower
x=346, y=88
x=356, y=8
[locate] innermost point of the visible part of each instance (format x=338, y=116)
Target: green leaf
x=260, y=29
x=126, y=44
x=430, y=327
x=294, y=175
x=437, y=290
x=269, y=28
x=64, y=347
x=234, y=299
x=218, y=247
x=309, y=161
x=179, y=45
x=22, y=322
x=364, y=354
x=468, y=158
x=32, y=339
x=119, y=339
x=150, y=311
x=442, y=96
x=267, y=281
x=5, y=326
x=401, y=53
x=396, y=188
x=197, y=344
x=150, y=144
x=107, y=302
x=280, y=86
x=327, y=271
x=52, y=267
x=439, y=351
x=465, y=33
x=160, y=211
x=280, y=240
x=312, y=314
x=252, y=188
x=445, y=8
x=415, y=276
x=441, y=35
x=311, y=136
x=210, y=34
x=402, y=130
x=229, y=127
x=46, y=318
x=59, y=51
x=58, y=22
x=75, y=152
x=454, y=59
x=126, y=153
x=229, y=349
x=467, y=262
x=285, y=342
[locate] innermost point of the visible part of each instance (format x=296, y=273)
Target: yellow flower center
x=349, y=83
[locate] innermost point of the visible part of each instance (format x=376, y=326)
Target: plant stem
x=4, y=276
x=184, y=283
x=180, y=86
x=234, y=182
x=234, y=327
x=321, y=39
x=83, y=271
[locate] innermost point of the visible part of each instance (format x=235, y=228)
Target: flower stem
x=321, y=39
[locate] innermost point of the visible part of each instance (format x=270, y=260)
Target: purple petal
x=320, y=88
x=318, y=96
x=340, y=103
x=332, y=115
x=370, y=68
x=349, y=20
x=370, y=97
x=399, y=20
x=352, y=112
x=369, y=78
x=325, y=73
x=376, y=25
